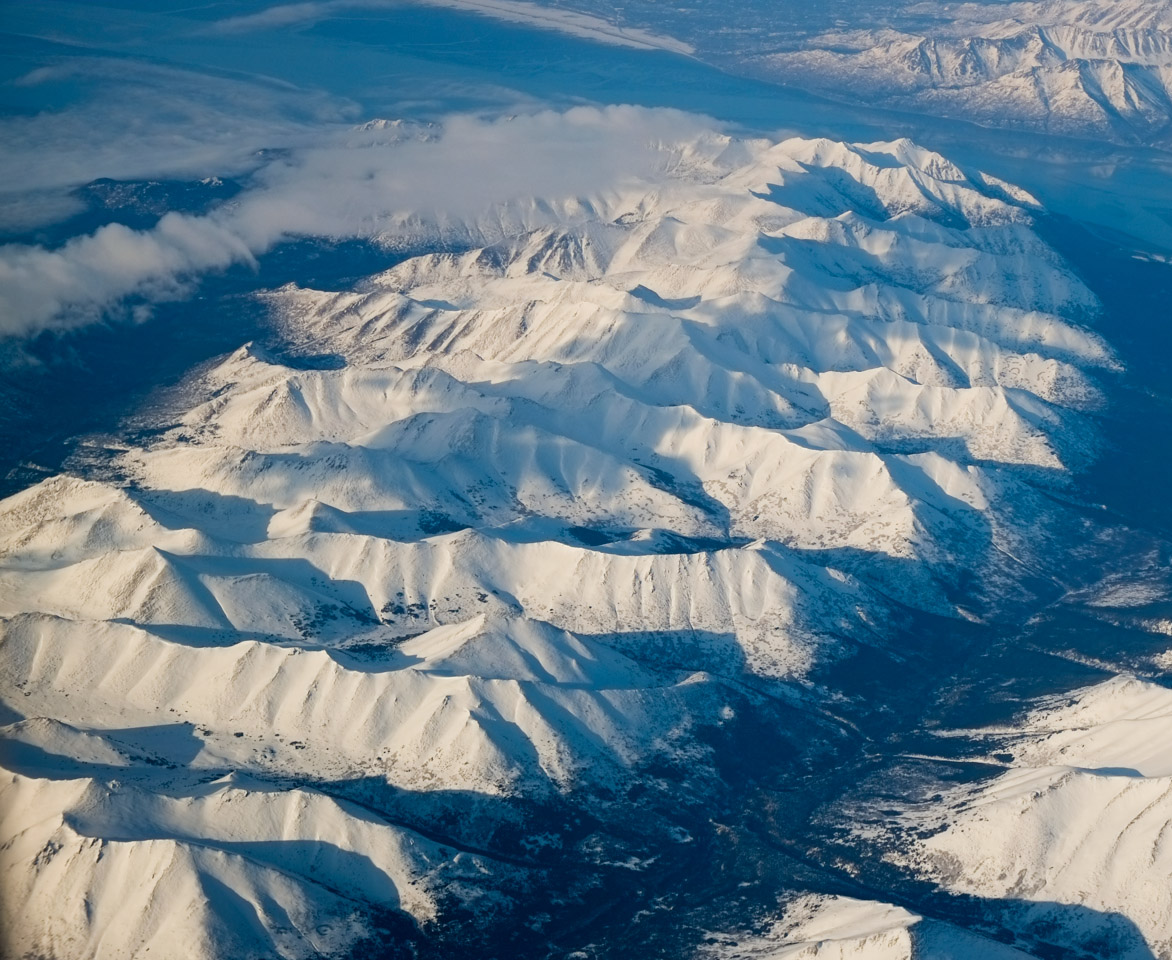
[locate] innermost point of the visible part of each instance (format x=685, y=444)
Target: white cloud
x=282, y=16
x=139, y=120
x=42, y=289
x=358, y=184
x=514, y=11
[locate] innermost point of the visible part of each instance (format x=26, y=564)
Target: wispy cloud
x=142, y=120
x=362, y=183
x=515, y=11
x=285, y=15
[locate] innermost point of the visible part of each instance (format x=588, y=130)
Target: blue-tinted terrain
x=416, y=601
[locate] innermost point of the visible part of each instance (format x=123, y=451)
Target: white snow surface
x=1091, y=68
x=1081, y=816
x=544, y=499
x=236, y=869
x=1095, y=69
x=820, y=927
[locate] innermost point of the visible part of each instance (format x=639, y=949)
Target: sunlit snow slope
x=1080, y=816
x=816, y=927
x=518, y=518
x=1099, y=68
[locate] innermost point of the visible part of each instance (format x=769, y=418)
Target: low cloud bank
x=42, y=289
x=360, y=184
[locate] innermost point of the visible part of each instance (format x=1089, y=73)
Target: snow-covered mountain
x=1069, y=840
x=1095, y=69
x=1060, y=816
x=1079, y=817
x=517, y=524
x=1098, y=69
x=814, y=927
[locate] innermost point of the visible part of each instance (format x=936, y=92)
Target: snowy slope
x=816, y=927
x=234, y=868
x=1081, y=816
x=1098, y=69
x=520, y=521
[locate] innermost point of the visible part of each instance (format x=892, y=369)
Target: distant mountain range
x=1096, y=69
